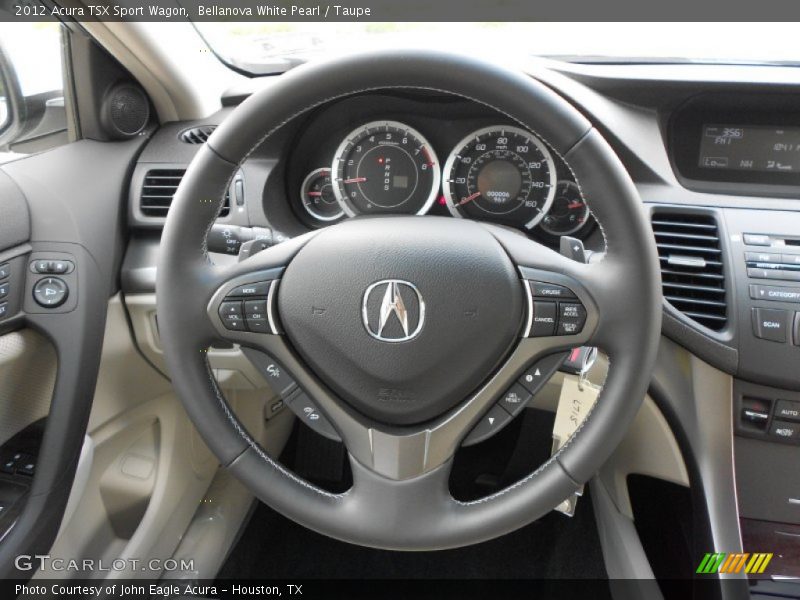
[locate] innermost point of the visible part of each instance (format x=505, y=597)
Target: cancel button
x=770, y=324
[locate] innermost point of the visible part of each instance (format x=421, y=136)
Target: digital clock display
x=750, y=148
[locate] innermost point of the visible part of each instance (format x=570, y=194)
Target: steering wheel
x=457, y=292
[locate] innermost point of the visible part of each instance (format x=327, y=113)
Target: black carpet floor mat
x=553, y=547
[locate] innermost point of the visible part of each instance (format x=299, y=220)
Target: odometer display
x=385, y=167
x=500, y=173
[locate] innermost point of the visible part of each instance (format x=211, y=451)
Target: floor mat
x=553, y=547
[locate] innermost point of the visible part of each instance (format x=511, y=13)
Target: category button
x=776, y=294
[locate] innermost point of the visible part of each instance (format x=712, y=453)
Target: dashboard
x=430, y=154
x=714, y=152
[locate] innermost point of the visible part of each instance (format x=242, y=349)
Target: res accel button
x=770, y=324
x=571, y=318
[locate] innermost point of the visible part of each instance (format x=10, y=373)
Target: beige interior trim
x=28, y=368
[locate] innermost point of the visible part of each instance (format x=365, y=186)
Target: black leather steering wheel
x=403, y=409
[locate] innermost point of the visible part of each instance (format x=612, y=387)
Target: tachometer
x=500, y=173
x=385, y=167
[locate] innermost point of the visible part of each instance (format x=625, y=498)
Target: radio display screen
x=750, y=148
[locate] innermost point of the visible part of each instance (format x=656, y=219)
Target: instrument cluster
x=499, y=173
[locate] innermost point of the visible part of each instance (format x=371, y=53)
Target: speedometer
x=385, y=167
x=500, y=173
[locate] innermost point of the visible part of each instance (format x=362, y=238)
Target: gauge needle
x=469, y=198
x=315, y=193
x=355, y=180
x=573, y=205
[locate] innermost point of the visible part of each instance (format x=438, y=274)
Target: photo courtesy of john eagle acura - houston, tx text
x=384, y=299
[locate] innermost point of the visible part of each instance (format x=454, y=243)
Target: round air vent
x=196, y=135
x=125, y=110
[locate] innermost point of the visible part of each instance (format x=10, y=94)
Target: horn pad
x=402, y=317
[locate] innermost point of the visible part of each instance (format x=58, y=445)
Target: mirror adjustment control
x=50, y=292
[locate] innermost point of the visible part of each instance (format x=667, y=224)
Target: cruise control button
x=4, y=287
x=515, y=399
x=571, y=318
x=785, y=430
x=787, y=410
x=544, y=319
x=536, y=376
x=5, y=270
x=251, y=289
x=550, y=290
x=492, y=422
x=308, y=412
x=50, y=292
x=770, y=324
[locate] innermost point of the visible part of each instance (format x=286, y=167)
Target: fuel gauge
x=568, y=213
x=318, y=198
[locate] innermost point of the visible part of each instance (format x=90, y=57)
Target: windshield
x=262, y=48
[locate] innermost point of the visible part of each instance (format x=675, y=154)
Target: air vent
x=158, y=189
x=197, y=135
x=692, y=273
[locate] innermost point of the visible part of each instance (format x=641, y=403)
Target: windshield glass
x=262, y=48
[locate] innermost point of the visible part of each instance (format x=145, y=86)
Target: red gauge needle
x=573, y=205
x=315, y=193
x=355, y=180
x=469, y=198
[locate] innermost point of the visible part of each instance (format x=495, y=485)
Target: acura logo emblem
x=393, y=310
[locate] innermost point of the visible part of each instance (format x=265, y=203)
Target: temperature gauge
x=318, y=198
x=568, y=212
